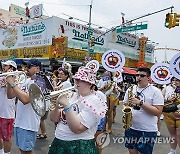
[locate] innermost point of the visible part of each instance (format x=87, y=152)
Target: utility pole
x=89, y=31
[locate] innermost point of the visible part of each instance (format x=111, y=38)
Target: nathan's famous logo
x=162, y=73
x=10, y=37
x=84, y=37
x=33, y=29
x=112, y=60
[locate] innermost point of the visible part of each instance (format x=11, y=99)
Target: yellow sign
x=79, y=55
x=76, y=54
x=42, y=52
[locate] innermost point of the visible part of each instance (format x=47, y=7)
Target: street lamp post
x=89, y=31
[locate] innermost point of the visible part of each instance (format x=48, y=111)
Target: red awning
x=129, y=71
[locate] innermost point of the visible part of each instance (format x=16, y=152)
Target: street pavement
x=116, y=141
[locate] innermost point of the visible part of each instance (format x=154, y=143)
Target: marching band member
x=26, y=121
x=64, y=79
x=107, y=86
x=77, y=123
x=101, y=125
x=144, y=120
x=7, y=111
x=172, y=122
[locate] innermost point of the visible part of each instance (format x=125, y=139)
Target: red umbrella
x=129, y=71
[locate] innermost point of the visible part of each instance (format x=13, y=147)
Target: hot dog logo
x=10, y=37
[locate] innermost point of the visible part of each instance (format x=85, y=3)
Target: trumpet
x=38, y=99
x=20, y=77
x=67, y=91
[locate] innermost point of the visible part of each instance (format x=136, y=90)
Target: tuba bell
x=127, y=112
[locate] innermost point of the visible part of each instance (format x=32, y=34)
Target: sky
x=107, y=13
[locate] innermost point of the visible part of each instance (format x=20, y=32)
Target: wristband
x=67, y=109
x=13, y=85
x=141, y=103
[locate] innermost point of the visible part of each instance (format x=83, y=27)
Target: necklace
x=139, y=93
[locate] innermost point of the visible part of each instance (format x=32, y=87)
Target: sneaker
x=172, y=151
x=158, y=133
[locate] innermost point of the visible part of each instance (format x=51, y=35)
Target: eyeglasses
x=141, y=75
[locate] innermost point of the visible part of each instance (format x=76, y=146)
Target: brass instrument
x=67, y=91
x=127, y=111
x=171, y=105
x=20, y=77
x=38, y=100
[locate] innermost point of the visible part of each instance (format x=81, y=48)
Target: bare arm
x=16, y=92
x=72, y=118
x=155, y=110
x=55, y=115
x=74, y=122
x=164, y=92
x=10, y=92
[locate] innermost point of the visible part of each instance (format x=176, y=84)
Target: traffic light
x=91, y=41
x=169, y=20
x=176, y=20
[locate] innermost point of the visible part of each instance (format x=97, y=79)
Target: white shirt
x=169, y=91
x=88, y=109
x=7, y=106
x=66, y=84
x=141, y=120
x=26, y=118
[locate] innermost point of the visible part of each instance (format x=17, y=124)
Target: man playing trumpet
x=7, y=110
x=27, y=121
x=147, y=102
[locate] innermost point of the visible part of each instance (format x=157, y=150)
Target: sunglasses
x=140, y=75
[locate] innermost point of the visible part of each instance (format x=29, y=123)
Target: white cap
x=10, y=62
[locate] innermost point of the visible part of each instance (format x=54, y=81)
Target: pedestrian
x=148, y=104
x=26, y=121
x=78, y=121
x=7, y=110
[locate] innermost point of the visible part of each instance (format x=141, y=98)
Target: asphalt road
x=116, y=142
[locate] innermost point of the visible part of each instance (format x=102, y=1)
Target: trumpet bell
x=37, y=99
x=20, y=77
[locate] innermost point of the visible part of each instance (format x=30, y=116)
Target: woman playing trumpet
x=77, y=123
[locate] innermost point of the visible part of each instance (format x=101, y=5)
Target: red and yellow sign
x=59, y=47
x=141, y=62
